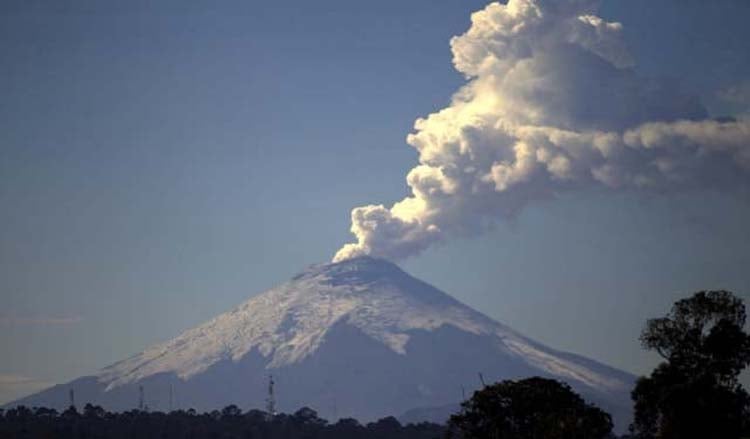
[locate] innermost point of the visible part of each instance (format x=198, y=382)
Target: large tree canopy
x=695, y=392
x=529, y=408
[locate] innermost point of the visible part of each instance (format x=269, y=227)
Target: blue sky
x=160, y=163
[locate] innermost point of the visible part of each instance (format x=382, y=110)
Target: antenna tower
x=171, y=397
x=271, y=401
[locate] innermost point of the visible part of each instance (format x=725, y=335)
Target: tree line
x=693, y=394
x=93, y=422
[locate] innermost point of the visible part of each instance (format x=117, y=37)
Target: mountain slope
x=357, y=338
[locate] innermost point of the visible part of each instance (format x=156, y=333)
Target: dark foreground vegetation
x=531, y=408
x=693, y=394
x=229, y=423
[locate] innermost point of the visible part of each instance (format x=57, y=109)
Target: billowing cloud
x=551, y=104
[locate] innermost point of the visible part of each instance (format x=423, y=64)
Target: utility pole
x=481, y=380
x=140, y=398
x=72, y=397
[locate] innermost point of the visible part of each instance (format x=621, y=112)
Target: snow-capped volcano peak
x=287, y=323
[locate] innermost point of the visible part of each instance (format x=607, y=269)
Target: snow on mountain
x=288, y=323
x=339, y=331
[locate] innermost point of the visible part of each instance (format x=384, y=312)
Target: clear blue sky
x=160, y=162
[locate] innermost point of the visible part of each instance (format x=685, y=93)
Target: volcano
x=359, y=338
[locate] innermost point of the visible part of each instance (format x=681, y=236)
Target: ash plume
x=551, y=104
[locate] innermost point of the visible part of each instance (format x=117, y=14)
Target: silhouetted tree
x=695, y=392
x=42, y=412
x=230, y=412
x=529, y=409
x=346, y=428
x=385, y=427
x=93, y=412
x=71, y=412
x=309, y=417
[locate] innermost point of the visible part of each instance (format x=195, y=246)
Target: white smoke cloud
x=552, y=104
